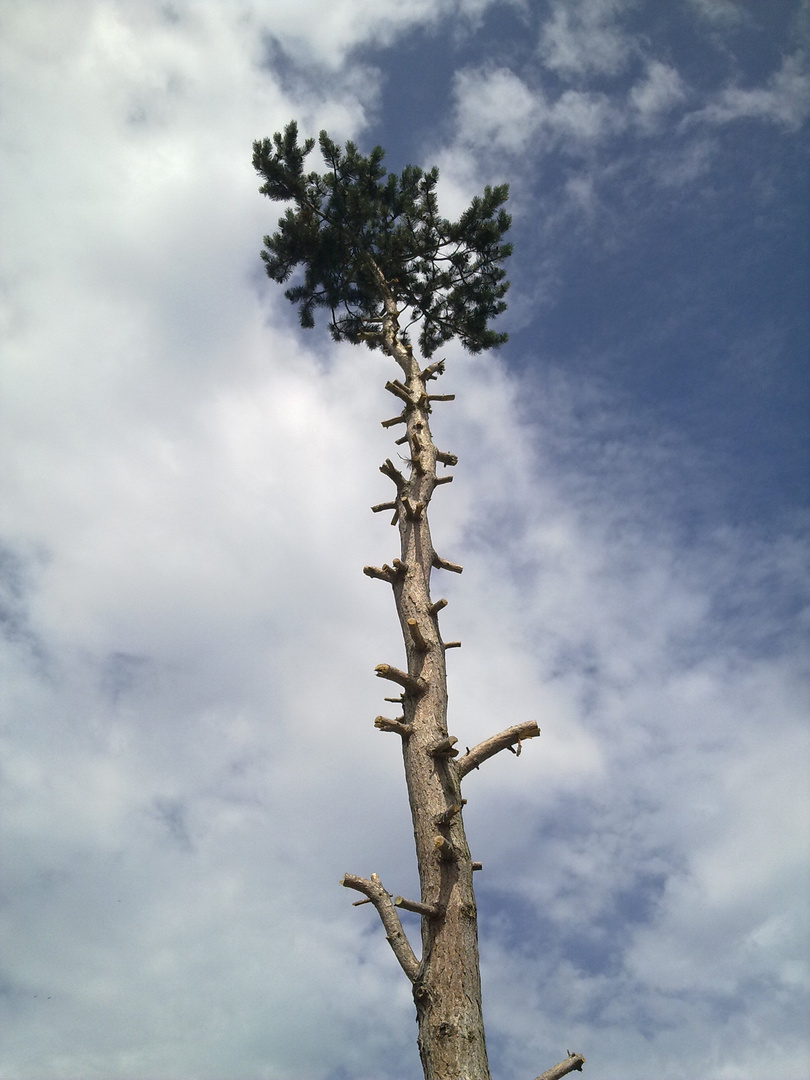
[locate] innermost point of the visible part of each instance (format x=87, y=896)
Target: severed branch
x=382, y=573
x=573, y=1063
x=382, y=723
x=444, y=748
x=394, y=933
x=486, y=749
x=443, y=564
x=446, y=816
x=389, y=469
x=431, y=911
x=395, y=387
x=413, y=686
x=433, y=370
x=418, y=637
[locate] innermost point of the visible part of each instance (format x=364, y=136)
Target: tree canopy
x=365, y=237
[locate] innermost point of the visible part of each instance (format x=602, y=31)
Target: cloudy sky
x=189, y=763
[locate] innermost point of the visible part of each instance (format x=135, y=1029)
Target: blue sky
x=189, y=763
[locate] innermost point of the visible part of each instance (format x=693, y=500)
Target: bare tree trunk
x=446, y=981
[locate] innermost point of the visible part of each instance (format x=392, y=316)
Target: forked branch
x=489, y=747
x=394, y=933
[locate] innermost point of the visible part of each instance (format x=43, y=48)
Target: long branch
x=394, y=933
x=573, y=1063
x=489, y=747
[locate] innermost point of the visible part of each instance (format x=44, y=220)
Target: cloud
x=661, y=92
x=784, y=100
x=583, y=39
x=497, y=110
x=189, y=760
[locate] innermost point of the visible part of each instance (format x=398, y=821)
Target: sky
x=189, y=763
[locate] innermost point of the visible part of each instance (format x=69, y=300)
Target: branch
x=446, y=816
x=384, y=724
x=430, y=910
x=446, y=459
x=412, y=509
x=486, y=749
x=395, y=387
x=383, y=506
x=418, y=637
x=444, y=747
x=408, y=682
x=388, y=468
x=382, y=573
x=386, y=572
x=433, y=370
x=573, y=1063
x=445, y=849
x=394, y=421
x=443, y=564
x=394, y=933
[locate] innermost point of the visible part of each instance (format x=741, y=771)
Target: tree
x=371, y=248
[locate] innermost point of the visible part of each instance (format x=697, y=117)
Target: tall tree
x=371, y=249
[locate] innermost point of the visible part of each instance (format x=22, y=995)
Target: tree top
x=366, y=238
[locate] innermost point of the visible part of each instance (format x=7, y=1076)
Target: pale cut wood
x=573, y=1063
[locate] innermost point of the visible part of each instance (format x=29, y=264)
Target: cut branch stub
x=398, y=725
x=389, y=469
x=431, y=911
x=433, y=370
x=444, y=748
x=382, y=573
x=435, y=608
x=445, y=849
x=414, y=510
x=417, y=636
x=401, y=419
x=413, y=686
x=396, y=387
x=446, y=459
x=446, y=816
x=378, y=507
x=443, y=564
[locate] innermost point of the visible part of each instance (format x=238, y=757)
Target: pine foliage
x=362, y=236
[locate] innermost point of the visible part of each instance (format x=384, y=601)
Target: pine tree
x=371, y=249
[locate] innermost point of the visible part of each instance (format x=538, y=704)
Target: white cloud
x=784, y=100
x=583, y=38
x=497, y=111
x=662, y=90
x=719, y=11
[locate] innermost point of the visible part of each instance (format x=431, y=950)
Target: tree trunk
x=447, y=986
x=446, y=981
